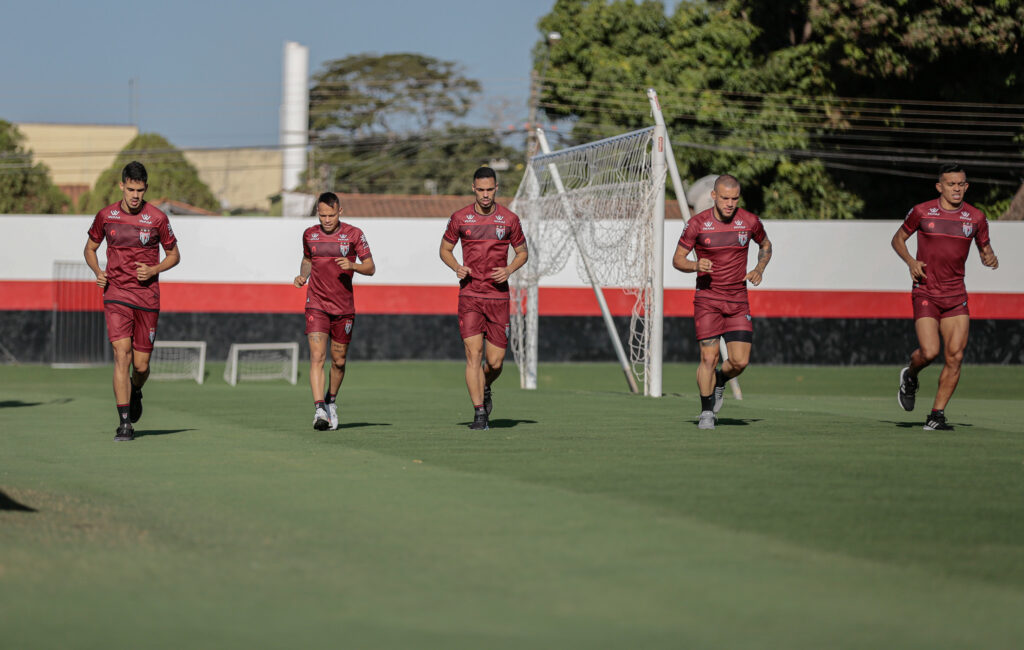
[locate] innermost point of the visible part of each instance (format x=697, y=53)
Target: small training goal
x=262, y=362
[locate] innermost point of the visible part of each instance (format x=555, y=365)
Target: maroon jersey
x=943, y=242
x=485, y=242
x=330, y=288
x=132, y=238
x=725, y=243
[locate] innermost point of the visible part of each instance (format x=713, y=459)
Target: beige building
x=241, y=179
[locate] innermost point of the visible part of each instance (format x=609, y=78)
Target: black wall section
x=776, y=340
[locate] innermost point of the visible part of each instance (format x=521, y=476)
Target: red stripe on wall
x=576, y=301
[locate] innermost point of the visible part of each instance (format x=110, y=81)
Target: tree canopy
x=25, y=187
x=823, y=108
x=171, y=176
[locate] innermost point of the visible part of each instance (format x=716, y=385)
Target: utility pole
x=535, y=81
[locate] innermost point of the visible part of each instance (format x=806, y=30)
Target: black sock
x=720, y=378
x=479, y=408
x=330, y=399
x=319, y=404
x=939, y=412
x=707, y=402
x=122, y=412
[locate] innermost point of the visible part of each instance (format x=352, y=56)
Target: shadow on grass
x=733, y=422
x=360, y=425
x=139, y=433
x=919, y=424
x=7, y=503
x=16, y=403
x=504, y=423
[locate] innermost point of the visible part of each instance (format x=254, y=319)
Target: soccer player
x=329, y=253
x=486, y=230
x=134, y=230
x=720, y=236
x=945, y=227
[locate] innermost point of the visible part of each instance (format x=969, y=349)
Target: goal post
x=595, y=202
x=178, y=360
x=262, y=361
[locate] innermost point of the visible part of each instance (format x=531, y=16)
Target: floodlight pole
x=684, y=208
x=605, y=312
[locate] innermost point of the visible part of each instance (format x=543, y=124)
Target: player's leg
x=318, y=324
x=954, y=332
x=494, y=358
x=143, y=338
x=706, y=381
x=739, y=356
x=926, y=325
x=119, y=333
x=497, y=331
x=472, y=324
x=339, y=356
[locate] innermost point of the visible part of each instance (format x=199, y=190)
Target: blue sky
x=209, y=73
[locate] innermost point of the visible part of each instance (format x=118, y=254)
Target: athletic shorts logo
x=743, y=239
x=968, y=229
x=507, y=331
x=500, y=232
x=343, y=247
x=152, y=334
x=348, y=327
x=309, y=318
x=748, y=316
x=144, y=236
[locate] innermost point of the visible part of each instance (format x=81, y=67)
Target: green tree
x=171, y=176
x=25, y=187
x=388, y=124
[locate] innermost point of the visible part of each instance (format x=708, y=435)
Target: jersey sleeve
x=96, y=230
x=167, y=238
x=516, y=236
x=982, y=239
x=912, y=221
x=758, y=234
x=306, y=253
x=362, y=247
x=451, y=233
x=689, y=236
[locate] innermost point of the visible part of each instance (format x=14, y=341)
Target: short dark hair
x=485, y=172
x=951, y=168
x=134, y=171
x=329, y=198
x=727, y=180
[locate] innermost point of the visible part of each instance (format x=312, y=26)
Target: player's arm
x=988, y=257
x=362, y=267
x=448, y=257
x=500, y=273
x=171, y=258
x=305, y=268
x=683, y=263
x=764, y=255
x=899, y=244
x=93, y=261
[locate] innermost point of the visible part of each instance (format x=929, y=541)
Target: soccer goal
x=178, y=360
x=79, y=331
x=601, y=207
x=262, y=361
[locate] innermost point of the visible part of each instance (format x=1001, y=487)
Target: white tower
x=294, y=134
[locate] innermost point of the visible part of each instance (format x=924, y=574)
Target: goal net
x=595, y=207
x=262, y=361
x=178, y=360
x=79, y=331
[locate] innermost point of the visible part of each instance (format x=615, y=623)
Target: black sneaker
x=479, y=420
x=135, y=405
x=908, y=390
x=487, y=400
x=937, y=422
x=125, y=433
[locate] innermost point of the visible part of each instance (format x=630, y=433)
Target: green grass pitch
x=817, y=515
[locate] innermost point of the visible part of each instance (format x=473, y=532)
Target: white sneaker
x=719, y=399
x=332, y=412
x=321, y=420
x=707, y=420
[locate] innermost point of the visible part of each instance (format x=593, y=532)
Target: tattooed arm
x=763, y=257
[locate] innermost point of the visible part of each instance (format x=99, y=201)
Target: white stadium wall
x=831, y=289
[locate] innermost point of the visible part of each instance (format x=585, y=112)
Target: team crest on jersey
x=968, y=229
x=500, y=232
x=343, y=247
x=743, y=238
x=144, y=236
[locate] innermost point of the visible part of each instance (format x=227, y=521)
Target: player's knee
x=141, y=367
x=954, y=358
x=739, y=364
x=495, y=364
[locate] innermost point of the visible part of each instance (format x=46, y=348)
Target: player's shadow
x=918, y=424
x=7, y=503
x=139, y=433
x=734, y=422
x=503, y=423
x=360, y=425
x=16, y=403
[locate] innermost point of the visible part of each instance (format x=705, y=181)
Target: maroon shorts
x=939, y=308
x=716, y=317
x=339, y=328
x=124, y=322
x=487, y=316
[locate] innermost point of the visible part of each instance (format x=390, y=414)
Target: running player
x=945, y=227
x=486, y=230
x=329, y=253
x=720, y=236
x=134, y=230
